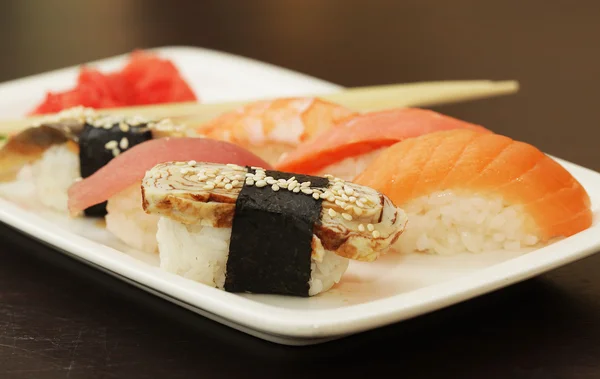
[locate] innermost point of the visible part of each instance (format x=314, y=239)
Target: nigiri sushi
x=118, y=183
x=270, y=232
x=466, y=191
x=73, y=144
x=346, y=149
x=270, y=128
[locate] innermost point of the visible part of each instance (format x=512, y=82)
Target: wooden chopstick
x=361, y=99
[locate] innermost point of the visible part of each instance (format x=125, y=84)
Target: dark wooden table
x=61, y=319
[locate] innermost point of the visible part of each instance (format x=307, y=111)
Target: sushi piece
x=469, y=191
x=273, y=127
x=118, y=183
x=346, y=149
x=73, y=144
x=247, y=229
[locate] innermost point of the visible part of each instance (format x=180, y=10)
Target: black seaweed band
x=96, y=150
x=270, y=249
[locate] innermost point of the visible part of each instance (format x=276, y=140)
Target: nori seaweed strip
x=93, y=153
x=271, y=236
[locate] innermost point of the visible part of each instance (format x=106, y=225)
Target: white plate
x=370, y=295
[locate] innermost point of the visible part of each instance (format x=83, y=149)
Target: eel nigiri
x=270, y=128
x=118, y=183
x=346, y=149
x=470, y=191
x=74, y=144
x=265, y=231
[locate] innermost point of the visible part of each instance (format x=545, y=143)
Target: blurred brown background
x=551, y=47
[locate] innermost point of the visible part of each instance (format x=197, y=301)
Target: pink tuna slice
x=131, y=166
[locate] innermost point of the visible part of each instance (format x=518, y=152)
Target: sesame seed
x=232, y=165
x=261, y=183
x=296, y=189
x=228, y=186
x=249, y=175
x=346, y=216
x=208, y=187
x=275, y=187
x=331, y=199
x=179, y=163
x=202, y=177
x=376, y=234
x=348, y=207
x=361, y=228
x=364, y=200
x=211, y=183
x=328, y=176
x=348, y=190
x=107, y=126
x=124, y=127
x=357, y=211
x=292, y=179
x=370, y=227
x=340, y=203
x=323, y=196
x=184, y=171
x=292, y=185
x=345, y=198
x=226, y=180
x=235, y=182
x=281, y=181
x=270, y=180
x=192, y=162
x=249, y=182
x=220, y=185
x=331, y=212
x=256, y=168
x=315, y=196
x=110, y=145
x=352, y=199
x=283, y=185
x=115, y=152
x=305, y=184
x=307, y=191
x=124, y=144
x=359, y=204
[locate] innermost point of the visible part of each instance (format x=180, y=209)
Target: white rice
x=127, y=220
x=200, y=253
x=53, y=174
x=349, y=168
x=446, y=222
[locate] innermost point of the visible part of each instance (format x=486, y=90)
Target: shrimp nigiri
x=346, y=149
x=272, y=128
x=470, y=191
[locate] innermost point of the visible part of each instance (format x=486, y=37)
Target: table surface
x=61, y=319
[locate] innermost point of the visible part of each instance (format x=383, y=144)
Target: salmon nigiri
x=346, y=149
x=270, y=128
x=469, y=191
x=119, y=182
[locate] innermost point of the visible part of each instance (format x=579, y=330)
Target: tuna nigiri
x=345, y=150
x=118, y=183
x=470, y=191
x=272, y=127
